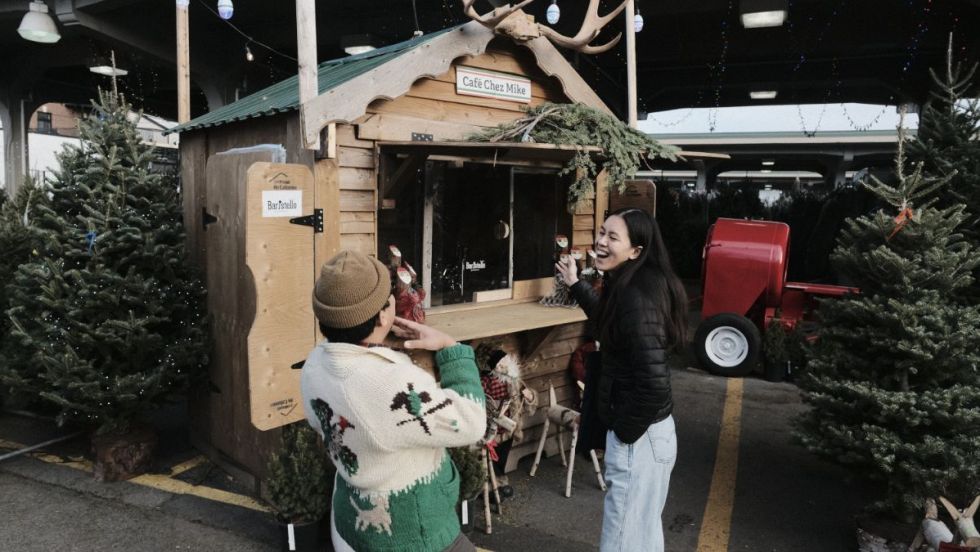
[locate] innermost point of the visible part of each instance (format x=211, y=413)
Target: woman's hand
x=420, y=336
x=568, y=270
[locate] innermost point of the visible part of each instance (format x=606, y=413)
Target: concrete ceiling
x=691, y=53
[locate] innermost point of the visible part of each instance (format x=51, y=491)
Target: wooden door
x=279, y=257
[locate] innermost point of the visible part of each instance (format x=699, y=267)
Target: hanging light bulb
x=637, y=22
x=553, y=13
x=225, y=9
x=248, y=54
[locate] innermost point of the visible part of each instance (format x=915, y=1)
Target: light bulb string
x=250, y=38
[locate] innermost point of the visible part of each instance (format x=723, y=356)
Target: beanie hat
x=352, y=288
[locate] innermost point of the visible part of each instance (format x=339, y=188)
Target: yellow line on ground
x=717, y=520
x=159, y=482
x=186, y=466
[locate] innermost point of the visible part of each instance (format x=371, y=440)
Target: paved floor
x=766, y=495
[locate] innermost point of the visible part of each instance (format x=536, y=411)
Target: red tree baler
x=744, y=278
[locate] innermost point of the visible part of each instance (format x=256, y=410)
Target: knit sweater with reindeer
x=386, y=424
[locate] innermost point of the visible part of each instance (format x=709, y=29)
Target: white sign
x=471, y=81
x=282, y=203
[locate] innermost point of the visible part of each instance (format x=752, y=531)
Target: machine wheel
x=727, y=344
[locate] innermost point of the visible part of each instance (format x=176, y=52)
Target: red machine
x=744, y=277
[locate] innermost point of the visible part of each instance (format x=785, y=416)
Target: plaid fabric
x=494, y=387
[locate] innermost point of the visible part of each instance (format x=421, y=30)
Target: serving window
x=474, y=225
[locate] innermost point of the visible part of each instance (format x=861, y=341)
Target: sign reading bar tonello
x=472, y=81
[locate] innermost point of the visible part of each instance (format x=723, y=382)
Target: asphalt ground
x=739, y=484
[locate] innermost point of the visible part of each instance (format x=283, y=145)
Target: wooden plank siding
x=347, y=190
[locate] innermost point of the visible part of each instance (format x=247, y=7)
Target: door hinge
x=315, y=220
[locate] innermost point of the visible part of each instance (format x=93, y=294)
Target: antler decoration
x=580, y=42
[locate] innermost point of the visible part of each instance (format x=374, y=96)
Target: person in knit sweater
x=385, y=422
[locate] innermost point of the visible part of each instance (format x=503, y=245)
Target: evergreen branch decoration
x=624, y=149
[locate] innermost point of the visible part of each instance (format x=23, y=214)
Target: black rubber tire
x=740, y=324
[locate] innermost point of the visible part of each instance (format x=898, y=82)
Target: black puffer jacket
x=634, y=383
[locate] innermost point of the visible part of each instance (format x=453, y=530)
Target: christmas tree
x=893, y=385
x=300, y=479
x=108, y=313
x=19, y=240
x=948, y=144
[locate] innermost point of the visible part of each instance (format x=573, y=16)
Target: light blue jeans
x=638, y=476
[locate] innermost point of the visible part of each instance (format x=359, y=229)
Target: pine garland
x=624, y=149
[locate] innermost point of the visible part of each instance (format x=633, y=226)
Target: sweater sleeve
x=449, y=413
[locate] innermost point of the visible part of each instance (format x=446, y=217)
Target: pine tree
x=19, y=240
x=948, y=144
x=108, y=312
x=300, y=476
x=893, y=383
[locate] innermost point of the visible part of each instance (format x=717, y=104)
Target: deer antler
x=493, y=18
x=590, y=29
x=527, y=30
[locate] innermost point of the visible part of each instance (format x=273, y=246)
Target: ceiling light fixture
x=763, y=94
x=358, y=44
x=637, y=21
x=768, y=162
x=248, y=54
x=104, y=66
x=757, y=14
x=37, y=25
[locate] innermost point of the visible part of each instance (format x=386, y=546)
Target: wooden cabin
x=263, y=214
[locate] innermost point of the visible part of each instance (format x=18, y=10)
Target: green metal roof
x=284, y=96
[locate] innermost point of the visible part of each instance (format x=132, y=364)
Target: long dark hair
x=657, y=278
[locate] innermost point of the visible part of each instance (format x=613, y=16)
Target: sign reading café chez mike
x=472, y=81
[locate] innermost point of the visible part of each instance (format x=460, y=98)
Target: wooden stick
x=495, y=487
x=631, y=64
x=571, y=463
x=598, y=470
x=561, y=446
x=183, y=66
x=537, y=456
x=486, y=498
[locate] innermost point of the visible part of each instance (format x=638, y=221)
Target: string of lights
x=251, y=40
x=717, y=71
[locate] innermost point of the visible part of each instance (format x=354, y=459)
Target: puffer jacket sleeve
x=640, y=337
x=587, y=298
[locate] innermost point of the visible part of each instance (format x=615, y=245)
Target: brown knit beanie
x=352, y=288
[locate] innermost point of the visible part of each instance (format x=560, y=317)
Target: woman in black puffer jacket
x=640, y=315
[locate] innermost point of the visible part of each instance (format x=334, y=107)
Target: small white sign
x=471, y=81
x=282, y=203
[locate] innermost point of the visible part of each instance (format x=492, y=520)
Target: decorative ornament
x=904, y=217
x=90, y=238
x=553, y=13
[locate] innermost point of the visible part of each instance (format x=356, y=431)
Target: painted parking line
x=159, y=482
x=717, y=520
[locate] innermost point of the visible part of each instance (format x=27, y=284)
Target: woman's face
x=612, y=245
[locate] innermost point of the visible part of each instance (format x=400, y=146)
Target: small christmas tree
x=19, y=241
x=108, y=313
x=893, y=383
x=948, y=144
x=300, y=477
